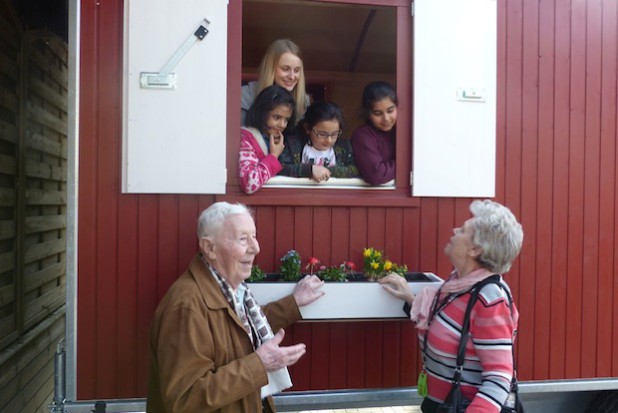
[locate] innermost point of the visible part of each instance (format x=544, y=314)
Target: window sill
x=285, y=191
x=332, y=183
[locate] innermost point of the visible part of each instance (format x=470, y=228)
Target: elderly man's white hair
x=211, y=219
x=498, y=233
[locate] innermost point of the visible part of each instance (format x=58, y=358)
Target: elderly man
x=212, y=346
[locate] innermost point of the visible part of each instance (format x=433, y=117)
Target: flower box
x=347, y=300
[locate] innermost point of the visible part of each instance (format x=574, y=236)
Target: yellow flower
x=388, y=265
x=374, y=265
x=378, y=254
x=367, y=252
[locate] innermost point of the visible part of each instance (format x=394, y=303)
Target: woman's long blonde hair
x=269, y=65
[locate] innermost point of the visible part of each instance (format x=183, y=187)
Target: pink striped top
x=488, y=365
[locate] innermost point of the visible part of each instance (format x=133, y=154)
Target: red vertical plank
x=376, y=228
x=358, y=235
x=355, y=354
x=529, y=174
x=428, y=233
x=591, y=188
x=167, y=249
x=303, y=241
x=233, y=86
x=188, y=214
x=320, y=351
x=444, y=224
x=285, y=232
x=558, y=333
x=340, y=236
x=404, y=89
x=391, y=353
x=513, y=143
x=337, y=354
x=301, y=371
x=409, y=366
x=393, y=246
x=266, y=224
x=607, y=205
x=411, y=239
x=126, y=320
x=544, y=193
x=323, y=228
x=576, y=189
x=374, y=352
x=86, y=269
x=501, y=101
x=108, y=164
x=147, y=275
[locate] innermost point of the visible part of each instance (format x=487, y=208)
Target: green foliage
x=256, y=274
x=290, y=266
x=333, y=274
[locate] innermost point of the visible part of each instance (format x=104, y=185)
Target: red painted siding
x=556, y=169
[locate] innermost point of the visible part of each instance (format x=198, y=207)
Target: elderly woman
x=212, y=347
x=484, y=245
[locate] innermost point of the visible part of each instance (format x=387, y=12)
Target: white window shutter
x=174, y=139
x=454, y=98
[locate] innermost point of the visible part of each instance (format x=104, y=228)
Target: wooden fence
x=33, y=175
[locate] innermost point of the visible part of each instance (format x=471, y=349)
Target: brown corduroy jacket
x=202, y=359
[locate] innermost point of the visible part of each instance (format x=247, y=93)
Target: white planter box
x=345, y=300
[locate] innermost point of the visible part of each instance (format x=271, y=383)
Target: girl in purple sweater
x=374, y=142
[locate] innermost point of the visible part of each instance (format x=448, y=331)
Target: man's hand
x=274, y=357
x=308, y=290
x=397, y=285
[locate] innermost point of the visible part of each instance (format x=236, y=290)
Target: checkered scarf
x=249, y=312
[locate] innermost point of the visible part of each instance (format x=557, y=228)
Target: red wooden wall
x=556, y=169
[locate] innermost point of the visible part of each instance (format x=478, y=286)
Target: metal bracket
x=164, y=79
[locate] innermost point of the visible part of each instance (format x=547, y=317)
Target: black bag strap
x=465, y=328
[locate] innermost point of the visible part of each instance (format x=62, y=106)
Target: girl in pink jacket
x=261, y=141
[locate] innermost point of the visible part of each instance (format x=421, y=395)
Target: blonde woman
x=281, y=65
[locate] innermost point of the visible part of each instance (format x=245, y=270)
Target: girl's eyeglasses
x=326, y=135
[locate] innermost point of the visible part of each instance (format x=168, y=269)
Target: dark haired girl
x=318, y=151
x=374, y=142
x=261, y=141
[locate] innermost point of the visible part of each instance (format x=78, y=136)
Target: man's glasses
x=326, y=135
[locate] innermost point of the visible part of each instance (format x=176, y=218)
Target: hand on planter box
x=308, y=290
x=397, y=286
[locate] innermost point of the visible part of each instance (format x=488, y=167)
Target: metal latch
x=164, y=79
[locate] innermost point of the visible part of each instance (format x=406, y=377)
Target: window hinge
x=411, y=178
x=411, y=8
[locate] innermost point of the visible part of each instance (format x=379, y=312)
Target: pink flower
x=311, y=263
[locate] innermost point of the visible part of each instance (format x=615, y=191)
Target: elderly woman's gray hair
x=211, y=219
x=498, y=233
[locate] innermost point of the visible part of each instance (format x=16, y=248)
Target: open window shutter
x=174, y=139
x=454, y=98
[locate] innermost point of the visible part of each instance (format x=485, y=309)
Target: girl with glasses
x=261, y=141
x=317, y=150
x=374, y=142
